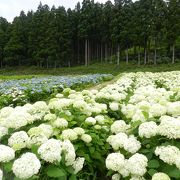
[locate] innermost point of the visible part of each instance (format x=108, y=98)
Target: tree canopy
x=141, y=31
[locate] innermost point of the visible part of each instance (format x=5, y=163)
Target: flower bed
x=19, y=92
x=128, y=130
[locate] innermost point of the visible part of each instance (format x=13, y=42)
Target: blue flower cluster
x=39, y=84
x=18, y=92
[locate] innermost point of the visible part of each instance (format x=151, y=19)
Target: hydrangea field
x=127, y=130
x=19, y=92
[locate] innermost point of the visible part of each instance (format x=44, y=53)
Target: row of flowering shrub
x=128, y=130
x=19, y=92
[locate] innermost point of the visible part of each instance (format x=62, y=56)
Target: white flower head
x=86, y=138
x=60, y=123
x=115, y=161
x=114, y=106
x=18, y=140
x=137, y=164
x=51, y=150
x=78, y=165
x=119, y=126
x=6, y=153
x=26, y=166
x=148, y=129
x=90, y=121
x=69, y=134
x=1, y=174
x=160, y=176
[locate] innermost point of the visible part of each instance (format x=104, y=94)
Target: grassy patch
x=29, y=72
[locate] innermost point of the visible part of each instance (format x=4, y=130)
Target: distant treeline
x=145, y=31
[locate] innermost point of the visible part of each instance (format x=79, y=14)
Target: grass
x=29, y=72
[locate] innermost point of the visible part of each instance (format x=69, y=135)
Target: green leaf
x=153, y=164
x=8, y=166
x=73, y=177
x=54, y=171
x=70, y=169
x=151, y=172
x=34, y=149
x=172, y=171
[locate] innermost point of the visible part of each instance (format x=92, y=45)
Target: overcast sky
x=11, y=8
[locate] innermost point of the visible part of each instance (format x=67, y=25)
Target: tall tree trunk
x=78, y=60
x=145, y=56
x=101, y=53
x=118, y=55
x=155, y=53
x=127, y=56
x=106, y=52
x=111, y=53
x=47, y=63
x=148, y=51
x=1, y=65
x=173, y=54
x=86, y=52
x=55, y=64
x=89, y=52
x=69, y=63
x=97, y=52
x=139, y=57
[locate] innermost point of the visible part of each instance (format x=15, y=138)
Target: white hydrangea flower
x=157, y=110
x=69, y=134
x=138, y=116
x=169, y=127
x=3, y=131
x=1, y=174
x=69, y=151
x=132, y=145
x=41, y=130
x=51, y=150
x=78, y=164
x=124, y=171
x=137, y=178
x=26, y=166
x=86, y=138
x=98, y=127
x=18, y=140
x=60, y=123
x=6, y=111
x=114, y=106
x=49, y=117
x=160, y=176
x=18, y=119
x=137, y=164
x=117, y=141
x=177, y=162
x=174, y=109
x=148, y=129
x=6, y=153
x=90, y=121
x=119, y=126
x=39, y=110
x=129, y=110
x=100, y=119
x=168, y=154
x=115, y=161
x=47, y=130
x=116, y=177
x=79, y=131
x=37, y=140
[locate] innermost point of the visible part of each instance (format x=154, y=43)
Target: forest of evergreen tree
x=144, y=32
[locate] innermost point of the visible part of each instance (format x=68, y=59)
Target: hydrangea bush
x=128, y=130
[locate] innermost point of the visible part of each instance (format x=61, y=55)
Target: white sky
x=11, y=8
